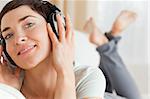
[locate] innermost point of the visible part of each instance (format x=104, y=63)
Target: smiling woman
x=25, y=37
x=46, y=59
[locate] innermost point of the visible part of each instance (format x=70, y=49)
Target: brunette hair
x=44, y=8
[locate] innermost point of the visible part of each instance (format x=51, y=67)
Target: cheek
x=39, y=31
x=10, y=49
x=42, y=34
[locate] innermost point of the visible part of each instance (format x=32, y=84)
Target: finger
x=68, y=28
x=52, y=35
x=73, y=38
x=61, y=29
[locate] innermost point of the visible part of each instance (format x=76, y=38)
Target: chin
x=33, y=60
x=27, y=66
x=32, y=63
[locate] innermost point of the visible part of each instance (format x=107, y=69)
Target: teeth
x=26, y=49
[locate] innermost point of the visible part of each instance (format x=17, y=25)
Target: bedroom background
x=133, y=48
x=135, y=43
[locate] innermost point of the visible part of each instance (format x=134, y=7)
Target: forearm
x=65, y=86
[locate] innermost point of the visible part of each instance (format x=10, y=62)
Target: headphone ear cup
x=51, y=12
x=53, y=22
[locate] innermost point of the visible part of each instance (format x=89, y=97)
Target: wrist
x=66, y=74
x=65, y=86
x=64, y=70
x=66, y=77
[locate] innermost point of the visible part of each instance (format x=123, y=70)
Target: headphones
x=51, y=13
x=51, y=16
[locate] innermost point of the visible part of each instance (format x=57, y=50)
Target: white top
x=8, y=92
x=90, y=82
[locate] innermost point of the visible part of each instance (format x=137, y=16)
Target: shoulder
x=84, y=72
x=90, y=81
x=7, y=91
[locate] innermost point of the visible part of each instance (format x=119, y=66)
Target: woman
x=46, y=59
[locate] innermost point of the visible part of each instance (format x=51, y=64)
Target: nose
x=20, y=40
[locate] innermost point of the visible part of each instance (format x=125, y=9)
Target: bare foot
x=89, y=25
x=95, y=35
x=124, y=19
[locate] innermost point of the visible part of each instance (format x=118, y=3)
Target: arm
x=62, y=59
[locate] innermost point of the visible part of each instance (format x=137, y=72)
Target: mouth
x=26, y=50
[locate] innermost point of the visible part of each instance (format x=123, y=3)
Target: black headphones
x=52, y=11
x=51, y=16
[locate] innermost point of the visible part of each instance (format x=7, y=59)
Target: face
x=26, y=36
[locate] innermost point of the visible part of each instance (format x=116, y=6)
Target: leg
x=116, y=71
x=117, y=76
x=123, y=20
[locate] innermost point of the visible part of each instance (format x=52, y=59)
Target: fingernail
x=48, y=24
x=57, y=16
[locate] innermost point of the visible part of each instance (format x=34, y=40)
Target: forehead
x=17, y=13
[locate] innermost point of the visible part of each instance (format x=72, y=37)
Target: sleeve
x=8, y=92
x=91, y=84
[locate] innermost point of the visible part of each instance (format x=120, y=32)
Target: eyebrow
x=21, y=19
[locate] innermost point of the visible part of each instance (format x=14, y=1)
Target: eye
x=29, y=25
x=8, y=36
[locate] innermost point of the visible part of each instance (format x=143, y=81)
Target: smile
x=26, y=50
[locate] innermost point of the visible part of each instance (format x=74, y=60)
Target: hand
x=122, y=21
x=7, y=76
x=62, y=57
x=63, y=47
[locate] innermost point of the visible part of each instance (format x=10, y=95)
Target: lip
x=25, y=50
